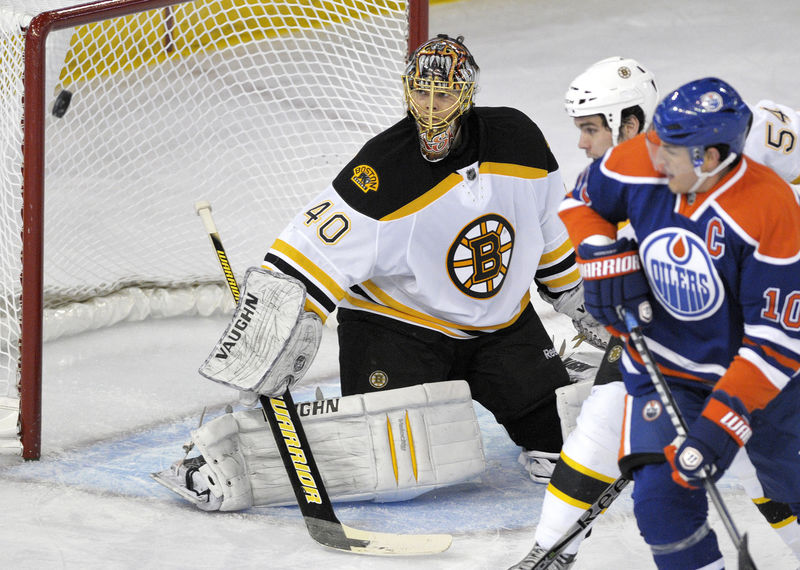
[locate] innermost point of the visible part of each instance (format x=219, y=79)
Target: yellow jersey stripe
x=427, y=198
x=515, y=170
x=311, y=307
x=556, y=254
x=572, y=277
x=585, y=470
x=566, y=498
x=309, y=267
x=403, y=309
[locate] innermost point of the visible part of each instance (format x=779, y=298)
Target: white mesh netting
x=251, y=105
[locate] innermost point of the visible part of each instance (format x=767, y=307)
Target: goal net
x=118, y=116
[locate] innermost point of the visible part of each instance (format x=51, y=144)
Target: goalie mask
x=439, y=83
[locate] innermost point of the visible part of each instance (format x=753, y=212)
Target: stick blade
x=745, y=560
x=338, y=536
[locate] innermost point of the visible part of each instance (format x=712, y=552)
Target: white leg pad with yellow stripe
x=381, y=446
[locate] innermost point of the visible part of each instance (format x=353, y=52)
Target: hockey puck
x=62, y=103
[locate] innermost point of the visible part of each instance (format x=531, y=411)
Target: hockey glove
x=570, y=303
x=712, y=442
x=613, y=278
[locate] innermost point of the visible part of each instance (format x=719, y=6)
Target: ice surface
x=119, y=403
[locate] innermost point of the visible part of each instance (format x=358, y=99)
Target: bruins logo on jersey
x=479, y=258
x=614, y=354
x=365, y=178
x=378, y=379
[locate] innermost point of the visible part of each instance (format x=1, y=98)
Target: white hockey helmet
x=609, y=86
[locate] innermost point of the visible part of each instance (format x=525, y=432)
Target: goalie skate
x=184, y=478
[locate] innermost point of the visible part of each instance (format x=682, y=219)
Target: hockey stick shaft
x=543, y=561
x=304, y=475
x=682, y=429
x=301, y=468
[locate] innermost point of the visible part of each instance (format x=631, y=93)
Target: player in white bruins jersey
x=429, y=242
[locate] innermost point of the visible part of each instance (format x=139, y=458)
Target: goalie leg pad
x=271, y=341
x=381, y=446
x=569, y=400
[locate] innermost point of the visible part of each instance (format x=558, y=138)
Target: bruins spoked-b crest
x=479, y=257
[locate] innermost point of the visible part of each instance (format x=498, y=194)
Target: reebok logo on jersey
x=550, y=353
x=621, y=264
x=365, y=178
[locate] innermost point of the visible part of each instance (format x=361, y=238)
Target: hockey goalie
x=385, y=446
x=427, y=243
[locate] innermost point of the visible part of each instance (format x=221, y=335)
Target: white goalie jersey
x=453, y=246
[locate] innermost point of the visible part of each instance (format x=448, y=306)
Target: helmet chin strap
x=702, y=176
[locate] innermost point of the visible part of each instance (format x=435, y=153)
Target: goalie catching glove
x=271, y=340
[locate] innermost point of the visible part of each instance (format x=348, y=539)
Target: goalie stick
x=681, y=427
x=541, y=561
x=312, y=498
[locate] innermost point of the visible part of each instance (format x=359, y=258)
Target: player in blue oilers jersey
x=719, y=245
x=428, y=241
x=621, y=92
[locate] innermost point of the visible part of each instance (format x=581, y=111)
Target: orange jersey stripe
x=776, y=200
x=627, y=159
x=582, y=222
x=666, y=371
x=784, y=360
x=726, y=418
x=744, y=380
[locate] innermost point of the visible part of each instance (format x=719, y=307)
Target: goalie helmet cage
x=118, y=115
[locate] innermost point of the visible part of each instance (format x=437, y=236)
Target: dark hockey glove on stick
x=681, y=428
x=612, y=277
x=302, y=470
x=712, y=442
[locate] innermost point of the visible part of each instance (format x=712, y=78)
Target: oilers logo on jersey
x=479, y=257
x=651, y=410
x=681, y=273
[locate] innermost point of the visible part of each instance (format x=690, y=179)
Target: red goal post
x=139, y=109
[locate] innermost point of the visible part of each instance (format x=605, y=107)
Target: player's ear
x=712, y=158
x=629, y=128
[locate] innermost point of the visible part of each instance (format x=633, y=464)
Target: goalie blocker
x=381, y=446
x=270, y=331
